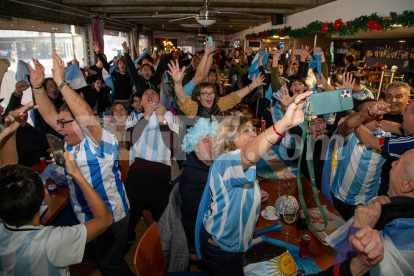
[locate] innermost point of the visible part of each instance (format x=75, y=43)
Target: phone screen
x=237, y=60
x=58, y=149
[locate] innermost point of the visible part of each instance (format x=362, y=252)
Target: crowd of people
x=169, y=113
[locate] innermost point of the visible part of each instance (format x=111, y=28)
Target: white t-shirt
x=40, y=250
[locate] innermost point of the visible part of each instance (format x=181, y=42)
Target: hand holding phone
x=57, y=148
x=209, y=41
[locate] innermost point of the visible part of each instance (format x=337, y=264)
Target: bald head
x=402, y=176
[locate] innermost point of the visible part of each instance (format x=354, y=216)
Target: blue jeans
x=218, y=261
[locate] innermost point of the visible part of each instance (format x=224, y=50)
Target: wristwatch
x=64, y=82
x=164, y=122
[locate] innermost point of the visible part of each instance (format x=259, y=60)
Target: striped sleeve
x=228, y=102
x=397, y=146
x=229, y=166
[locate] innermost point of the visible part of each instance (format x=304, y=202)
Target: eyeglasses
x=62, y=123
x=207, y=94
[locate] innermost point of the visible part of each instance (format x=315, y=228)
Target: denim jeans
x=218, y=261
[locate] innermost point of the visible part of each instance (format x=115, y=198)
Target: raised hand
x=318, y=50
x=175, y=71
x=380, y=108
x=37, y=74
x=4, y=65
x=261, y=57
x=249, y=51
x=283, y=97
x=125, y=47
x=277, y=53
x=20, y=115
x=228, y=64
x=70, y=163
x=20, y=87
x=292, y=59
x=95, y=46
x=294, y=115
x=58, y=69
x=160, y=111
x=259, y=80
x=348, y=81
x=304, y=53
x=210, y=50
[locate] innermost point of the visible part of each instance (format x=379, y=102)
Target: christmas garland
x=364, y=23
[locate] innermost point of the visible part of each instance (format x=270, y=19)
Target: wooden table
x=55, y=202
x=323, y=255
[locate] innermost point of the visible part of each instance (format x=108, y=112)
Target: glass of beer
x=289, y=219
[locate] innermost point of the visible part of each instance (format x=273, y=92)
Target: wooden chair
x=149, y=257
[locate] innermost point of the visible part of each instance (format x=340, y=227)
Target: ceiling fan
x=206, y=16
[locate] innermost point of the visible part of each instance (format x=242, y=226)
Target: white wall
x=344, y=9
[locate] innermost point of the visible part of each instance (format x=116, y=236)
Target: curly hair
x=229, y=129
x=197, y=90
x=202, y=128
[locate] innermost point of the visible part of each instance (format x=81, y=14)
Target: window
x=113, y=43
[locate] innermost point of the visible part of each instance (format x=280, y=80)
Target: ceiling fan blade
x=173, y=15
x=223, y=18
x=182, y=18
x=190, y=25
x=218, y=13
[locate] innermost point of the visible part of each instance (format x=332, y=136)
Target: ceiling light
x=396, y=25
x=359, y=41
x=401, y=41
x=275, y=36
x=206, y=17
x=206, y=22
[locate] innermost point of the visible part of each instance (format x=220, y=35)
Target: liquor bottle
x=263, y=127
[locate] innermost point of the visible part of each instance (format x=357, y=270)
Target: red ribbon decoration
x=251, y=37
x=323, y=28
x=348, y=23
x=265, y=33
x=378, y=27
x=280, y=32
x=338, y=23
x=372, y=24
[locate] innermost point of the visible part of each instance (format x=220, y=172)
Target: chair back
x=149, y=258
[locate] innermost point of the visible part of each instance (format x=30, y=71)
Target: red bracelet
x=280, y=135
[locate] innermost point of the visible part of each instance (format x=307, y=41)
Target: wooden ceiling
x=119, y=14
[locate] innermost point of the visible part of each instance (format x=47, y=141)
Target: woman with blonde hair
x=230, y=204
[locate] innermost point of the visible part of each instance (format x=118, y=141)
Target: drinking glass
x=301, y=225
x=289, y=219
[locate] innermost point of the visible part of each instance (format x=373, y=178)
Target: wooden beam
x=308, y=3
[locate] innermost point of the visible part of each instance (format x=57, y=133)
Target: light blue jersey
x=98, y=165
x=357, y=176
x=232, y=204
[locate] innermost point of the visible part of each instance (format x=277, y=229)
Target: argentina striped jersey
x=397, y=146
x=40, y=250
x=358, y=171
x=150, y=145
x=234, y=205
x=98, y=165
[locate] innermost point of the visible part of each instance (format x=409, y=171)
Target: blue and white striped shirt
x=234, y=203
x=357, y=176
x=150, y=145
x=98, y=165
x=40, y=250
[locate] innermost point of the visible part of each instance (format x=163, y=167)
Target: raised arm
x=354, y=120
x=253, y=151
x=79, y=107
x=4, y=66
x=291, y=61
x=202, y=67
x=135, y=77
x=176, y=73
x=324, y=67
x=102, y=217
x=16, y=118
x=256, y=81
x=46, y=108
x=276, y=84
x=163, y=61
x=105, y=63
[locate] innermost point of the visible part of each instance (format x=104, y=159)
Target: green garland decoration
x=364, y=23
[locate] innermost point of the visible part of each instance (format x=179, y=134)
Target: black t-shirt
x=122, y=85
x=398, y=118
x=96, y=69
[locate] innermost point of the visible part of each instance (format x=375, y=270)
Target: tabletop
x=55, y=202
x=322, y=254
